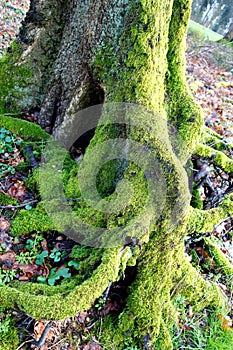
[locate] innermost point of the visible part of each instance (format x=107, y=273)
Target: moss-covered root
x=150, y=312
x=23, y=128
x=204, y=220
x=184, y=113
x=34, y=299
x=220, y=259
x=149, y=309
x=222, y=160
x=214, y=140
x=199, y=292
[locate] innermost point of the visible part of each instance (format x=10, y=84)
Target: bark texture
x=84, y=53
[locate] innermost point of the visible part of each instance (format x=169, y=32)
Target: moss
x=23, y=128
x=220, y=259
x=196, y=201
x=57, y=305
x=88, y=259
x=34, y=220
x=8, y=333
x=32, y=181
x=146, y=56
x=7, y=200
x=204, y=220
x=223, y=161
x=200, y=293
x=15, y=80
x=184, y=113
x=215, y=142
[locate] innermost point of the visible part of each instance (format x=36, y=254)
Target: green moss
x=190, y=284
x=34, y=220
x=23, y=128
x=8, y=333
x=7, y=200
x=15, y=80
x=184, y=113
x=32, y=181
x=88, y=259
x=222, y=160
x=32, y=298
x=220, y=259
x=204, y=220
x=196, y=200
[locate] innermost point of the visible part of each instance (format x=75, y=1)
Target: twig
x=107, y=291
x=42, y=339
x=25, y=342
x=17, y=206
x=92, y=324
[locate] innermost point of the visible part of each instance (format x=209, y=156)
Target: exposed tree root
x=204, y=220
x=222, y=160
x=221, y=260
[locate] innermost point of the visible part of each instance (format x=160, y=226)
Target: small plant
x=40, y=257
x=4, y=325
x=55, y=255
x=26, y=257
x=6, y=276
x=100, y=303
x=74, y=263
x=8, y=141
x=34, y=243
x=56, y=275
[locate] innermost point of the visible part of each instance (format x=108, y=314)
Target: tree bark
x=83, y=53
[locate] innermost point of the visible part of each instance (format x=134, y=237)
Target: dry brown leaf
x=4, y=225
x=39, y=328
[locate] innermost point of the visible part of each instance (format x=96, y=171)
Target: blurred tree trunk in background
x=213, y=14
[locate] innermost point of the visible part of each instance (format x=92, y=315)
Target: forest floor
x=210, y=77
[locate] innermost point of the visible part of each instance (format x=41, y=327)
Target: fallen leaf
x=4, y=225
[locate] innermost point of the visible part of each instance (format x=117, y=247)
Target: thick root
x=199, y=292
x=32, y=298
x=220, y=259
x=204, y=220
x=223, y=161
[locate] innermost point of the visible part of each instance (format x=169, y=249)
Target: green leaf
x=40, y=258
x=41, y=279
x=53, y=277
x=8, y=139
x=64, y=272
x=55, y=255
x=73, y=263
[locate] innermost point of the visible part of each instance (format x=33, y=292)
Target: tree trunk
x=214, y=14
x=84, y=53
x=229, y=34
